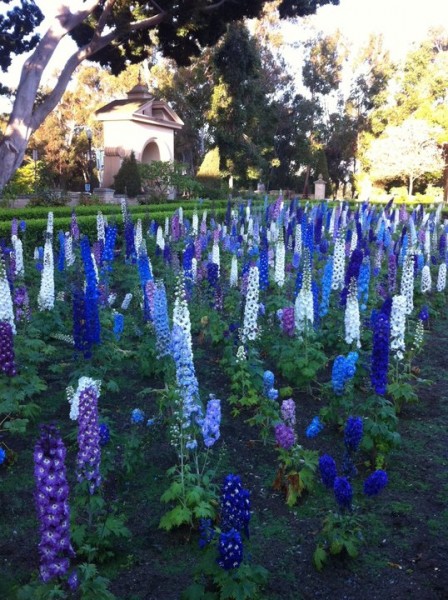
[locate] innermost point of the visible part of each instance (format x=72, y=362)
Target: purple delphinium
x=212, y=421
x=353, y=433
x=288, y=321
x=53, y=511
x=104, y=434
x=343, y=492
x=89, y=450
x=288, y=411
x=7, y=356
x=376, y=482
x=327, y=468
x=284, y=436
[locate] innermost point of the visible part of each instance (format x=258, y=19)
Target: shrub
x=127, y=180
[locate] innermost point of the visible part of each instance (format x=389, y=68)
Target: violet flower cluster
x=380, y=354
x=89, y=451
x=7, y=356
x=53, y=511
x=212, y=421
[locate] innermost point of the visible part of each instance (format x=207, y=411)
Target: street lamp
x=88, y=187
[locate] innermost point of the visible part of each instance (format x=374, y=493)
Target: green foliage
x=380, y=429
x=128, y=180
x=341, y=534
x=193, y=493
x=296, y=473
x=299, y=361
x=160, y=177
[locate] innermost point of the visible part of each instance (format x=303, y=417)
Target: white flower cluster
x=160, y=241
x=279, y=273
x=18, y=254
x=69, y=254
x=194, y=269
x=407, y=282
x=167, y=227
x=50, y=224
x=250, y=327
x=138, y=235
x=100, y=228
x=298, y=240
x=441, y=278
x=68, y=339
x=303, y=306
x=6, y=307
x=216, y=257
x=418, y=335
x=181, y=215
x=73, y=397
x=234, y=272
x=195, y=223
x=45, y=299
x=351, y=318
x=354, y=241
x=426, y=283
x=111, y=299
x=126, y=302
x=337, y=281
x=240, y=355
x=398, y=326
x=181, y=313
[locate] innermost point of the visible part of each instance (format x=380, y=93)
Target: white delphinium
x=398, y=326
x=354, y=241
x=95, y=267
x=160, y=240
x=332, y=220
x=45, y=299
x=240, y=355
x=181, y=215
x=138, y=235
x=351, y=318
x=36, y=253
x=181, y=313
x=250, y=326
x=337, y=281
x=247, y=213
x=100, y=227
x=418, y=335
x=250, y=227
x=166, y=230
x=412, y=231
x=216, y=256
x=234, y=272
x=69, y=254
x=441, y=278
x=273, y=231
x=74, y=396
x=426, y=283
x=50, y=223
x=195, y=223
x=6, y=306
x=407, y=282
x=427, y=244
x=126, y=302
x=124, y=209
x=298, y=240
x=204, y=218
x=242, y=230
x=304, y=305
x=194, y=269
x=344, y=218
x=279, y=273
x=111, y=299
x=18, y=253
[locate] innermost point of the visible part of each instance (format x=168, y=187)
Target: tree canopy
x=116, y=33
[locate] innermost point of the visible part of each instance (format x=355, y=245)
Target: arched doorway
x=151, y=152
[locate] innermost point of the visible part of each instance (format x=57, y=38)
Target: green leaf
x=179, y=515
x=16, y=425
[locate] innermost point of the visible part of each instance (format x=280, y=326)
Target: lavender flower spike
x=89, y=449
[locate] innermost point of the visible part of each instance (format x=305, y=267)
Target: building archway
x=150, y=152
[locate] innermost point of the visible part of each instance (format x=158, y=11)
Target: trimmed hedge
x=35, y=228
x=41, y=212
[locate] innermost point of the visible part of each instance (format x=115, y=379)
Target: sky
x=402, y=23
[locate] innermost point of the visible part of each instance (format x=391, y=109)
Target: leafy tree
x=408, y=151
x=127, y=180
x=16, y=30
x=114, y=34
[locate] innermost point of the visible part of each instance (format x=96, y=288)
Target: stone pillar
x=319, y=188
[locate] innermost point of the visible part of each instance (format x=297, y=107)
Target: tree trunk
x=411, y=186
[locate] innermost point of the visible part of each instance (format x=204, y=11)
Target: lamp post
x=89, y=163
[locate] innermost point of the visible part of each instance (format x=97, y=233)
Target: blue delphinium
x=314, y=428
x=423, y=315
x=230, y=548
x=104, y=434
x=212, y=421
x=327, y=469
x=137, y=416
x=206, y=532
x=268, y=385
x=353, y=433
x=118, y=325
x=2, y=456
x=380, y=354
x=91, y=294
x=343, y=492
x=344, y=369
x=264, y=269
x=376, y=482
x=161, y=322
x=61, y=258
x=326, y=287
x=235, y=505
